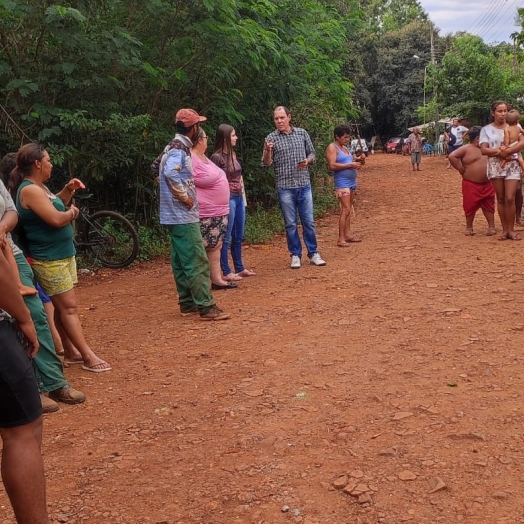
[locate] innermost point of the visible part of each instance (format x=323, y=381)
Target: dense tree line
x=98, y=81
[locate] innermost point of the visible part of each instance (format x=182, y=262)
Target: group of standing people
x=202, y=205
x=32, y=378
x=449, y=141
x=491, y=167
x=46, y=270
x=202, y=202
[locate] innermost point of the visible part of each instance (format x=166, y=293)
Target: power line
x=488, y=26
x=497, y=17
x=505, y=23
x=479, y=20
x=500, y=21
x=492, y=9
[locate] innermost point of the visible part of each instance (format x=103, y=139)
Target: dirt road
x=384, y=388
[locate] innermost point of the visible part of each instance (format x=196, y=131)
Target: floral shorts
x=56, y=276
x=213, y=230
x=511, y=171
x=345, y=191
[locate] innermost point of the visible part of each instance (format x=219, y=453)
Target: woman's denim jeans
x=294, y=203
x=234, y=235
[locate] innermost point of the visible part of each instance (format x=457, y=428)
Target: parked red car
x=394, y=145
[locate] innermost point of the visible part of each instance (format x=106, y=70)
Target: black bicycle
x=107, y=235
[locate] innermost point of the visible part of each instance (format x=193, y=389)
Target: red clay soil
x=384, y=388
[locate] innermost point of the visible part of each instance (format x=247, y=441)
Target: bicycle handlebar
x=83, y=197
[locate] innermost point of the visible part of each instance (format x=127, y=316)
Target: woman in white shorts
x=505, y=179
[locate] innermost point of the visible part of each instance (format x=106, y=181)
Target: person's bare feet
x=491, y=231
x=96, y=363
x=72, y=355
x=246, y=273
x=469, y=232
x=232, y=277
x=101, y=367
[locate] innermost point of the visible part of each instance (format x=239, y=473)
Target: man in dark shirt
x=291, y=151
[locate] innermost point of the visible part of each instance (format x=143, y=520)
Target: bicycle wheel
x=111, y=238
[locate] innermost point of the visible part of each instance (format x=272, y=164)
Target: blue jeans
x=234, y=235
x=294, y=203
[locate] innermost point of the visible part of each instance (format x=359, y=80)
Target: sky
x=492, y=20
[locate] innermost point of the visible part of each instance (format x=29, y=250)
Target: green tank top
x=45, y=242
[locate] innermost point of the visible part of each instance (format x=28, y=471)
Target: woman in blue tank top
x=344, y=169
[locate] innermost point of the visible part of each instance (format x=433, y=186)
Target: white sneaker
x=295, y=262
x=317, y=260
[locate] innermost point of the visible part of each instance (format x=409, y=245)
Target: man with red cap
x=179, y=212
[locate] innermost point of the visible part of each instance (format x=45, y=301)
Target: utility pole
x=434, y=62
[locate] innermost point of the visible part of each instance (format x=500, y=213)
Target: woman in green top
x=46, y=223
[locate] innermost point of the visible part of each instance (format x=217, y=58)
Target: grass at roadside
x=261, y=226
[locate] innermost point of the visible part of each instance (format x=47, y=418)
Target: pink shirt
x=212, y=188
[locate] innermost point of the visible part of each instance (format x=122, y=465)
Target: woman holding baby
x=504, y=169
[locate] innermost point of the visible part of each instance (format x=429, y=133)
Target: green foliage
x=324, y=200
x=383, y=16
x=262, y=224
x=470, y=78
x=396, y=78
x=154, y=242
x=98, y=82
x=400, y=13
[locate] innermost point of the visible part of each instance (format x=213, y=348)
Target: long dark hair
x=8, y=164
x=25, y=160
x=224, y=147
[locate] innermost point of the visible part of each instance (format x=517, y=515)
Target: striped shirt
x=289, y=150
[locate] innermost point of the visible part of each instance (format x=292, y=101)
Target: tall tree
x=99, y=81
x=470, y=78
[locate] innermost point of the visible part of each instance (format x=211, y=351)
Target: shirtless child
x=477, y=190
x=511, y=137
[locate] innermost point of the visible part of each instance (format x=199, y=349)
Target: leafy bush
x=262, y=224
x=154, y=241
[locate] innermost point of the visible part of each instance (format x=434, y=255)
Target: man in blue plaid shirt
x=291, y=151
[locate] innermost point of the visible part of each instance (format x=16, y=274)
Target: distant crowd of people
x=491, y=166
